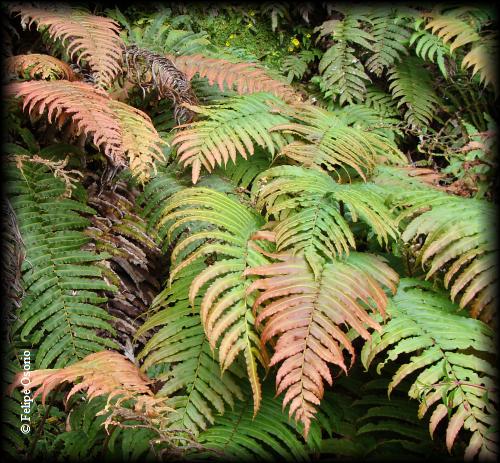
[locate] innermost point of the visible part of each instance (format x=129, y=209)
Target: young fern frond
x=60, y=311
x=38, y=66
x=309, y=207
x=193, y=383
x=94, y=39
x=412, y=85
x=329, y=140
x=119, y=129
x=247, y=78
x=304, y=309
x=230, y=128
x=459, y=240
x=449, y=352
x=225, y=307
x=266, y=437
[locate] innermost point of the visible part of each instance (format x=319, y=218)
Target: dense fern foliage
x=245, y=233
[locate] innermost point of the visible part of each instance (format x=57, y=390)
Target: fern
x=304, y=309
x=35, y=65
x=310, y=206
x=459, y=237
x=448, y=347
x=343, y=76
x=118, y=128
x=93, y=38
x=225, y=309
x=328, y=140
x=450, y=27
x=429, y=47
x=267, y=436
x=230, y=128
x=60, y=310
x=482, y=59
x=295, y=66
x=181, y=343
x=390, y=33
x=412, y=86
x=245, y=77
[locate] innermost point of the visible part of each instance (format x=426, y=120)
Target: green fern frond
x=449, y=351
x=267, y=436
x=60, y=310
x=224, y=236
x=413, y=87
x=431, y=48
x=230, y=128
x=329, y=140
x=309, y=206
x=343, y=76
x=295, y=66
x=390, y=33
x=193, y=381
x=380, y=101
x=459, y=239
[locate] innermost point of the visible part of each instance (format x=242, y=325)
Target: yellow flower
x=290, y=48
x=295, y=42
x=251, y=13
x=308, y=35
x=227, y=44
x=232, y=36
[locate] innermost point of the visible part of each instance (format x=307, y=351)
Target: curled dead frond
x=150, y=71
x=38, y=66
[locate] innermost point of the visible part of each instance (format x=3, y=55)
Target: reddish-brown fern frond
x=246, y=77
x=118, y=129
x=94, y=39
x=306, y=311
x=38, y=66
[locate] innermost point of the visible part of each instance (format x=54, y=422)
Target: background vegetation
x=250, y=232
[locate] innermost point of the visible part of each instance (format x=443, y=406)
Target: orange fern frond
x=246, y=77
x=40, y=66
x=95, y=39
x=103, y=373
x=305, y=310
x=118, y=129
x=482, y=59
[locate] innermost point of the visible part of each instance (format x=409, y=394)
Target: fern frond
x=295, y=66
x=39, y=66
x=390, y=33
x=309, y=208
x=150, y=70
x=122, y=379
x=265, y=437
x=304, y=310
x=450, y=27
x=94, y=39
x=225, y=310
x=193, y=382
x=246, y=78
x=412, y=86
x=482, y=58
x=230, y=128
x=380, y=101
x=117, y=128
x=246, y=170
x=329, y=140
x=459, y=239
x=139, y=139
x=448, y=351
x=60, y=311
x=431, y=48
x=133, y=263
x=343, y=76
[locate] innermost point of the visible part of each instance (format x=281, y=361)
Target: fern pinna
x=220, y=218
